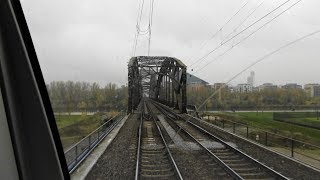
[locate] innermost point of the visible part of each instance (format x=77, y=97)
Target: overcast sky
x=91, y=40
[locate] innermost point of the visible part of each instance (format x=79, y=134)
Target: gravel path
x=118, y=161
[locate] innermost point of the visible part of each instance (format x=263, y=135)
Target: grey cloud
x=92, y=40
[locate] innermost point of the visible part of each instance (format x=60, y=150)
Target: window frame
x=34, y=134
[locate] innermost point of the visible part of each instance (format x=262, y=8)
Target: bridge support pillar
x=184, y=90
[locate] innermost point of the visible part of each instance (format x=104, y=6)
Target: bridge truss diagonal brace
x=157, y=77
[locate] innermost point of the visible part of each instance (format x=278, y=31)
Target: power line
x=248, y=67
x=224, y=42
x=137, y=27
x=150, y=25
x=146, y=31
x=245, y=38
x=143, y=31
x=257, y=21
x=244, y=20
x=226, y=23
x=258, y=61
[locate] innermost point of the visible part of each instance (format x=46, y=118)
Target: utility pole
x=318, y=112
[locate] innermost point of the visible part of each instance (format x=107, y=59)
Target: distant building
x=255, y=89
x=251, y=79
x=217, y=86
x=244, y=88
x=267, y=86
x=220, y=87
x=291, y=86
x=194, y=82
x=315, y=91
x=312, y=90
x=231, y=89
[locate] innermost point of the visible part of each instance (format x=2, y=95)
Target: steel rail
x=223, y=165
x=139, y=146
x=271, y=171
x=268, y=169
x=176, y=169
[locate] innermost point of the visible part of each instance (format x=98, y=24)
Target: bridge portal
x=157, y=77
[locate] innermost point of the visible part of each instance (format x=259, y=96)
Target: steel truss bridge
x=160, y=78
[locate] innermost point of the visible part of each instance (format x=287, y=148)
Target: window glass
x=77, y=58
x=248, y=62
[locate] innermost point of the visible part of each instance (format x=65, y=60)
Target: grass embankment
x=312, y=121
x=75, y=127
x=66, y=120
x=264, y=120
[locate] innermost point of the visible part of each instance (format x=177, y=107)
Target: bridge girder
x=158, y=77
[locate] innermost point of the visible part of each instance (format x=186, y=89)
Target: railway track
x=235, y=163
x=154, y=159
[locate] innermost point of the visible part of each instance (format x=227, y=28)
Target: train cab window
x=252, y=64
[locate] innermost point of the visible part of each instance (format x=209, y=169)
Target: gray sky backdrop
x=91, y=40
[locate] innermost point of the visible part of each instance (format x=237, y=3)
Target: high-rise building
x=251, y=79
x=312, y=90
x=244, y=88
x=316, y=91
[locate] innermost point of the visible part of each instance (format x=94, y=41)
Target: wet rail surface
x=193, y=162
x=154, y=159
x=146, y=148
x=234, y=162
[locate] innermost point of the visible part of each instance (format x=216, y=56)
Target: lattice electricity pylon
x=157, y=77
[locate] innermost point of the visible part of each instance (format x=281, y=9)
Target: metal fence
x=299, y=150
x=78, y=152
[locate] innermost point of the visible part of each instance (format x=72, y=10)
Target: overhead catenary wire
x=278, y=7
x=150, y=25
x=245, y=38
x=255, y=62
x=242, y=71
x=258, y=61
x=225, y=24
x=235, y=14
x=245, y=29
x=146, y=31
x=137, y=27
x=224, y=42
x=143, y=31
x=244, y=20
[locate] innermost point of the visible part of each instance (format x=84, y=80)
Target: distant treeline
x=258, y=100
x=69, y=96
